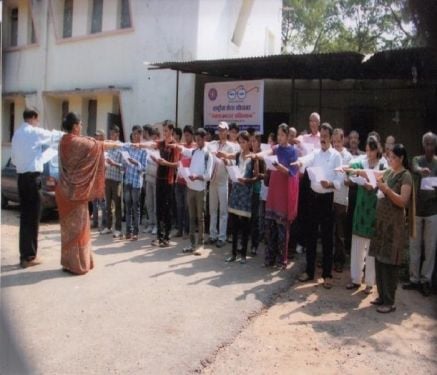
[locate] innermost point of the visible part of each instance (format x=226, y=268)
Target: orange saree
x=81, y=179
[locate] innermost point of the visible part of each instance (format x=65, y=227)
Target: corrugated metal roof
x=339, y=65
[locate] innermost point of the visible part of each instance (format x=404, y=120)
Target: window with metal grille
x=67, y=31
x=96, y=16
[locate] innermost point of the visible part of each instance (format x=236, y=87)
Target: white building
x=88, y=56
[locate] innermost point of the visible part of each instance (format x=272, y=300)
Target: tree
x=363, y=26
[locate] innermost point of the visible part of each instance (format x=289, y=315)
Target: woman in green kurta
x=391, y=236
x=363, y=227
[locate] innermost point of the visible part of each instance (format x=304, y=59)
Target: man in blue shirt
x=134, y=167
x=27, y=155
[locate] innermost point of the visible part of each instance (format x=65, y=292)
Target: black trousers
x=387, y=278
x=352, y=200
x=164, y=199
x=241, y=225
x=322, y=213
x=29, y=191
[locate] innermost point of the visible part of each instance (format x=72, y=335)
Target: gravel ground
x=156, y=311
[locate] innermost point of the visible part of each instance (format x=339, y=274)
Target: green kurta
x=365, y=210
x=391, y=234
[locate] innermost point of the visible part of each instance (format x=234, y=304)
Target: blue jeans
x=132, y=203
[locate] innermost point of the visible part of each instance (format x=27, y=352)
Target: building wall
x=57, y=68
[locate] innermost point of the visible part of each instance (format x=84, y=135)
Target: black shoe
x=211, y=241
x=220, y=243
x=425, y=289
x=232, y=258
x=411, y=286
x=377, y=302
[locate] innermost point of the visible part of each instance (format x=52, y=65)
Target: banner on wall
x=241, y=102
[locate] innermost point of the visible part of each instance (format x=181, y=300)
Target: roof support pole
x=177, y=98
x=320, y=97
x=292, y=104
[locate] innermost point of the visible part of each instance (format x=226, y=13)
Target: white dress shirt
x=27, y=145
x=198, y=167
x=328, y=160
x=341, y=196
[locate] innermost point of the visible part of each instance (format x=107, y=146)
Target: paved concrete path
x=141, y=310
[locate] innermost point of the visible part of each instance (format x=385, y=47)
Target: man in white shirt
x=218, y=187
x=27, y=154
x=340, y=204
x=200, y=171
x=320, y=204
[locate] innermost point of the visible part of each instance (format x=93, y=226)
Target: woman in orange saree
x=81, y=179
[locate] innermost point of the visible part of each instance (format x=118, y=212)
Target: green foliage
x=364, y=26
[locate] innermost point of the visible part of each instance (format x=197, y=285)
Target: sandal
x=305, y=277
x=386, y=309
x=327, y=283
x=377, y=302
x=368, y=289
x=351, y=286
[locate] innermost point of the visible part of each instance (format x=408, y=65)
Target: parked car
x=49, y=179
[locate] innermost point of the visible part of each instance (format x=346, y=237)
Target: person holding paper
x=218, y=187
x=150, y=134
x=182, y=218
x=240, y=201
x=200, y=172
x=282, y=198
x=390, y=239
x=113, y=181
x=27, y=152
x=424, y=166
x=81, y=179
x=320, y=204
x=364, y=218
x=340, y=204
x=134, y=167
x=311, y=141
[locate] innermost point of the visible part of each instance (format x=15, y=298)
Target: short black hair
x=69, y=121
x=169, y=125
x=115, y=129
x=29, y=114
x=284, y=127
x=137, y=129
x=244, y=135
x=189, y=129
x=178, y=131
x=251, y=131
x=233, y=125
x=147, y=128
x=400, y=151
x=327, y=126
x=201, y=132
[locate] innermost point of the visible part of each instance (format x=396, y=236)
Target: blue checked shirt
x=114, y=173
x=133, y=174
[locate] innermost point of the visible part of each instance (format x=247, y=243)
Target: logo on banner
x=239, y=93
x=212, y=94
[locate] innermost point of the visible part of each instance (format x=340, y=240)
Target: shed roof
x=395, y=64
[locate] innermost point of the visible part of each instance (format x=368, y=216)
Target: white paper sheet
x=48, y=155
x=371, y=176
x=234, y=173
x=265, y=147
x=270, y=160
x=428, y=183
x=358, y=180
x=153, y=152
x=380, y=194
x=125, y=155
x=316, y=174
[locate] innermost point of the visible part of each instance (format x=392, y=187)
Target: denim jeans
x=132, y=203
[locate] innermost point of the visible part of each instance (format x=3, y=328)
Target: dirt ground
x=147, y=311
